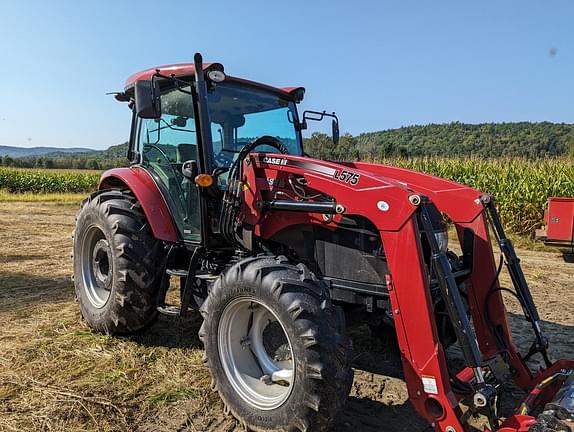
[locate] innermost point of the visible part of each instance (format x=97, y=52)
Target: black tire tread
x=137, y=261
x=317, y=320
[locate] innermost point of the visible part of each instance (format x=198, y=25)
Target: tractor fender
x=143, y=186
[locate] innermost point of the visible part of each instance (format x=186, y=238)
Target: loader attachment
x=449, y=398
x=524, y=296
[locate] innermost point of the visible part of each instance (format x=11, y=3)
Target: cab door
x=164, y=145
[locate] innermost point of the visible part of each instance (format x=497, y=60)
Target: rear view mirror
x=318, y=116
x=148, y=103
x=180, y=121
x=335, y=131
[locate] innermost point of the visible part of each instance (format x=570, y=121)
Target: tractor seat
x=186, y=152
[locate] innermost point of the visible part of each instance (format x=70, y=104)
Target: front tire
x=276, y=347
x=117, y=264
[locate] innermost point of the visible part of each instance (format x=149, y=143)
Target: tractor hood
x=444, y=193
x=359, y=179
x=415, y=181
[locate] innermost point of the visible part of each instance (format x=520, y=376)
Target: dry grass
x=64, y=198
x=57, y=375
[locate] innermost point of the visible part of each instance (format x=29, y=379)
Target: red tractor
x=275, y=248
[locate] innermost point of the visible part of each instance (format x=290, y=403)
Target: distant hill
x=41, y=151
x=77, y=158
x=524, y=139
x=115, y=151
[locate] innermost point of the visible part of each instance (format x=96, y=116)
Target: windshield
x=240, y=114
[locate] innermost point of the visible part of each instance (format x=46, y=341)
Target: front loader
x=276, y=249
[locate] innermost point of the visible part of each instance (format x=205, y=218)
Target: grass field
x=70, y=198
x=43, y=181
x=57, y=375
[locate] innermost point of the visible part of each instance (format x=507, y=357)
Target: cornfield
x=47, y=181
x=521, y=186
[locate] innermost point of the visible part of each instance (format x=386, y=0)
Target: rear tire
x=117, y=264
x=320, y=373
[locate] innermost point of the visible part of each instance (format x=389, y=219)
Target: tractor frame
x=396, y=207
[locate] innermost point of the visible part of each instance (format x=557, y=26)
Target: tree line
x=114, y=156
x=489, y=140
x=63, y=162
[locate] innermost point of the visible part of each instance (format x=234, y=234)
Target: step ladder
x=186, y=290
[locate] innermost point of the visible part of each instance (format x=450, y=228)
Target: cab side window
x=165, y=144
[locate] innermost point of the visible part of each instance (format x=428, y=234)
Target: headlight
x=442, y=240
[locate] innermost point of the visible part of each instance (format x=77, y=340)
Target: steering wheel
x=267, y=140
x=223, y=160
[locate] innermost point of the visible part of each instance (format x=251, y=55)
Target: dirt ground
x=55, y=374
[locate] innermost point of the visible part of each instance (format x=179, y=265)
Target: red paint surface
x=421, y=351
x=188, y=69
x=182, y=69
x=560, y=219
x=148, y=195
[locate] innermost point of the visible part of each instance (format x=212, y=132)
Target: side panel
x=560, y=219
x=376, y=192
x=146, y=191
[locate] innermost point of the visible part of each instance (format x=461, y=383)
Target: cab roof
x=188, y=70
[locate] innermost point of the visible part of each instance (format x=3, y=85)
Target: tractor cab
x=172, y=147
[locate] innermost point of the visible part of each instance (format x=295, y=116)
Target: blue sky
x=378, y=64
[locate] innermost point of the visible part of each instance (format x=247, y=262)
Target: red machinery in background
x=559, y=218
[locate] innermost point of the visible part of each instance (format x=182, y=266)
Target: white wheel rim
x=247, y=331
x=96, y=266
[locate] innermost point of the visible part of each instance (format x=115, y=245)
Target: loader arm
x=394, y=200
